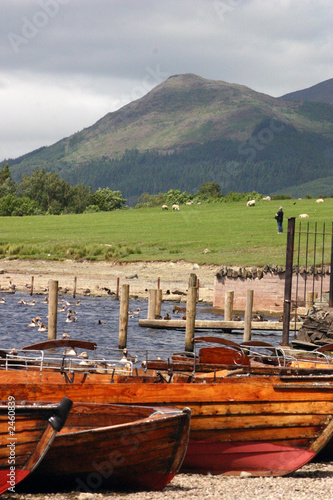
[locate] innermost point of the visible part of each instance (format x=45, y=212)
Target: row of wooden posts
x=154, y=310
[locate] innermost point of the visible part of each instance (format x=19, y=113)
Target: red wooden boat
x=115, y=446
x=26, y=432
x=264, y=424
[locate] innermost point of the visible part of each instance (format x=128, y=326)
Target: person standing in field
x=279, y=220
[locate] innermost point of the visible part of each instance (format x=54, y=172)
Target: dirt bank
x=98, y=276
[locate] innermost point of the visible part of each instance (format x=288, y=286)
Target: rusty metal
x=288, y=280
x=330, y=295
x=312, y=252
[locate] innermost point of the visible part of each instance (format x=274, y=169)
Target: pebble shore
x=311, y=482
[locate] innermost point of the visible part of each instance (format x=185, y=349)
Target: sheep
x=320, y=200
x=303, y=216
x=165, y=207
x=175, y=207
x=266, y=198
x=189, y=203
x=251, y=203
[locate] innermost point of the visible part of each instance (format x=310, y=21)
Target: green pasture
x=230, y=233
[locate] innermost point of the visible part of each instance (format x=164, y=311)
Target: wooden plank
x=219, y=325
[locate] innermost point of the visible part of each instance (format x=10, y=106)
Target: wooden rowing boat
x=26, y=432
x=261, y=424
x=115, y=446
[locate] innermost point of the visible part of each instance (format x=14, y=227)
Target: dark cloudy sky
x=66, y=63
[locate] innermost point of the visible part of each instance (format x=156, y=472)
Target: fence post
x=191, y=306
x=248, y=316
x=158, y=302
x=74, y=289
x=32, y=286
x=123, y=316
x=117, y=289
x=152, y=293
x=288, y=280
x=53, y=305
x=228, y=305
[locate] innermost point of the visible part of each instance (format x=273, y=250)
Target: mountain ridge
x=199, y=126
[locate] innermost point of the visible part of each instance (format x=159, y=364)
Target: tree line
x=45, y=193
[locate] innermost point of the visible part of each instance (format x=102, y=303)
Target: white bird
x=33, y=323
x=70, y=319
x=2, y=301
x=42, y=327
x=127, y=357
x=70, y=352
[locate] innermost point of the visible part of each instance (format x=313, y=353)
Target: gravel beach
x=99, y=276
x=314, y=481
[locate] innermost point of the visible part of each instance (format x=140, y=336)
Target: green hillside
x=189, y=130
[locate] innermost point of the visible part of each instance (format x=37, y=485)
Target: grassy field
x=232, y=233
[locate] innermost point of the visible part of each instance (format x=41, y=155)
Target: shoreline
x=99, y=277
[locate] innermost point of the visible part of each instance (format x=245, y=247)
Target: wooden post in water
x=152, y=294
x=248, y=315
x=123, y=316
x=158, y=302
x=191, y=306
x=53, y=306
x=228, y=305
x=192, y=281
x=117, y=290
x=32, y=286
x=74, y=289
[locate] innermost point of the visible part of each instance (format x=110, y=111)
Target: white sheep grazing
x=165, y=207
x=251, y=203
x=303, y=216
x=320, y=200
x=266, y=198
x=189, y=203
x=175, y=207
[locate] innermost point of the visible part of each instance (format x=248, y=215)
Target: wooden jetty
x=217, y=325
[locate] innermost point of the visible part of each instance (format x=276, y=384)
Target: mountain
x=322, y=92
x=189, y=130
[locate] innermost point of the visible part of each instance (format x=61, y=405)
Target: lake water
x=15, y=318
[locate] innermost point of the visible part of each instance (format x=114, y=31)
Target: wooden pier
x=216, y=325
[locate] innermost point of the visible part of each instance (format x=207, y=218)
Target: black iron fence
x=309, y=276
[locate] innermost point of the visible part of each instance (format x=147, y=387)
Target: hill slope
x=322, y=92
x=189, y=130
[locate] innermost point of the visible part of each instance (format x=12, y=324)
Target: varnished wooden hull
x=112, y=446
x=265, y=425
x=25, y=436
